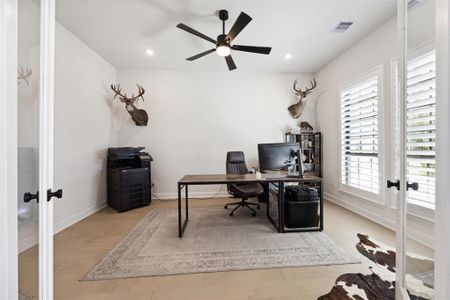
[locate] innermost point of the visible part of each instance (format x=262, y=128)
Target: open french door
x=34, y=108
x=418, y=140
x=400, y=286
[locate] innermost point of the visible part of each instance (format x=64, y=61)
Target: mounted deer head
x=296, y=109
x=23, y=75
x=139, y=116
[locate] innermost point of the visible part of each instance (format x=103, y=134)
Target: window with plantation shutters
x=359, y=136
x=421, y=129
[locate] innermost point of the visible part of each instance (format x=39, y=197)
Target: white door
x=35, y=59
x=401, y=293
x=417, y=140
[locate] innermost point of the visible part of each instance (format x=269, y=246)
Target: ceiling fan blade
x=200, y=55
x=195, y=32
x=253, y=49
x=237, y=27
x=230, y=63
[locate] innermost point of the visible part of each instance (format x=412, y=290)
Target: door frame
x=9, y=277
x=442, y=220
x=8, y=150
x=46, y=156
x=402, y=44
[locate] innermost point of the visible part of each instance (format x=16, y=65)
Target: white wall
x=376, y=50
x=84, y=128
x=196, y=117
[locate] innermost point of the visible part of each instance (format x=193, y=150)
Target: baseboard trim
x=32, y=239
x=415, y=235
x=387, y=223
x=78, y=217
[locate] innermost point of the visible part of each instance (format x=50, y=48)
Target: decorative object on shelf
x=311, y=153
x=306, y=128
x=295, y=130
x=296, y=109
x=139, y=116
x=23, y=75
x=223, y=45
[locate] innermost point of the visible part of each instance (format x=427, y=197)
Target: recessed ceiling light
x=288, y=56
x=149, y=52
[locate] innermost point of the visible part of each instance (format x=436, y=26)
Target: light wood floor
x=81, y=246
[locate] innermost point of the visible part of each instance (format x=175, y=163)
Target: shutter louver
x=359, y=136
x=421, y=129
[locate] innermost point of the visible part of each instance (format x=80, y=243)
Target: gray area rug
x=213, y=242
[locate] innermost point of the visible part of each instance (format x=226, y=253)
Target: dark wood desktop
x=277, y=178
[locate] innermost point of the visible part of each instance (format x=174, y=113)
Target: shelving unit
x=311, y=145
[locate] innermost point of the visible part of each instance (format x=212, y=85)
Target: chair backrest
x=236, y=163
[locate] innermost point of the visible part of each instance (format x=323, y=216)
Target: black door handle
x=27, y=197
x=394, y=183
x=412, y=185
x=58, y=194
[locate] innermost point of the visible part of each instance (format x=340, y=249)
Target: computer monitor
x=277, y=156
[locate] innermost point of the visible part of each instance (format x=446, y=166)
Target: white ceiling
x=120, y=31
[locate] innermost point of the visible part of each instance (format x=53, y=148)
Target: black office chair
x=236, y=165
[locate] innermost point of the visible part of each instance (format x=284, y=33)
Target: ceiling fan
x=223, y=43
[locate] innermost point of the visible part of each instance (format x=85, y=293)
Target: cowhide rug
x=380, y=284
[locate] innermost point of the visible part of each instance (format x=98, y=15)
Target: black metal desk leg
x=180, y=233
x=321, y=206
x=187, y=199
x=281, y=207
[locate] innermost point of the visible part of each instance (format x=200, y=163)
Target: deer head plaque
x=296, y=109
x=139, y=116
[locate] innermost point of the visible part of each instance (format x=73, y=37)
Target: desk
x=277, y=178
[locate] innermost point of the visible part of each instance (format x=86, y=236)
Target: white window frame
x=365, y=195
x=413, y=210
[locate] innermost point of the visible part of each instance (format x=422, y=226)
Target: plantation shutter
x=421, y=129
x=359, y=136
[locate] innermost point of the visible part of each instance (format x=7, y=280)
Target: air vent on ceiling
x=342, y=27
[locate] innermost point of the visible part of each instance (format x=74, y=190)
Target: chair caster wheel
x=253, y=214
x=231, y=214
x=226, y=206
x=258, y=207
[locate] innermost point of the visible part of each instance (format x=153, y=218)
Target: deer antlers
x=124, y=98
x=307, y=90
x=23, y=75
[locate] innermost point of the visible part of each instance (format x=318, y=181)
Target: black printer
x=128, y=178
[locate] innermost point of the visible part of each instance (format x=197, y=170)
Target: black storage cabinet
x=301, y=206
x=128, y=178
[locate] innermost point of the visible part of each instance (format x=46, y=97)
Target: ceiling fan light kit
x=223, y=43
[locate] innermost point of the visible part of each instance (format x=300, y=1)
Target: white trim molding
x=379, y=198
x=8, y=150
x=442, y=220
x=387, y=222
